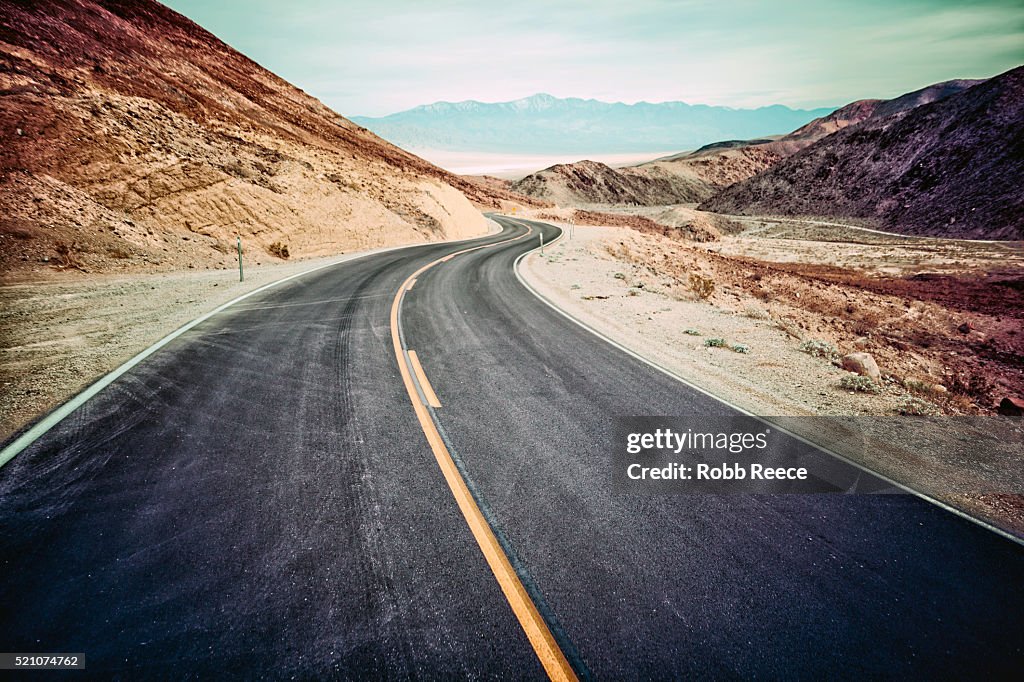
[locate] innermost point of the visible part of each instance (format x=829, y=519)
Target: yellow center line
x=537, y=632
x=428, y=391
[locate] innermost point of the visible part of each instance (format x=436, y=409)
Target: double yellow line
x=551, y=657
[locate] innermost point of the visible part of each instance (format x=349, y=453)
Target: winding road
x=397, y=467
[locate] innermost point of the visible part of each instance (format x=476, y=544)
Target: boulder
x=1011, y=407
x=863, y=364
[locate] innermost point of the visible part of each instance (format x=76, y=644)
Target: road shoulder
x=631, y=306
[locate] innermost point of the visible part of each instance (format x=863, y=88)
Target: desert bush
x=619, y=251
x=866, y=322
x=978, y=387
x=741, y=348
x=755, y=312
x=715, y=343
x=790, y=327
x=692, y=332
x=619, y=275
x=859, y=384
x=820, y=349
x=279, y=249
x=917, y=407
x=918, y=386
x=702, y=286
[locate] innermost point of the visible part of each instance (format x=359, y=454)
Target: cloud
x=376, y=58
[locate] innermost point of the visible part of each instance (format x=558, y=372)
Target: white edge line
x=62, y=412
x=962, y=514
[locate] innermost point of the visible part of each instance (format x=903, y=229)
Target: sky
x=377, y=57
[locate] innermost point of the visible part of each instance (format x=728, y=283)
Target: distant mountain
x=543, y=124
x=948, y=167
x=695, y=176
x=851, y=114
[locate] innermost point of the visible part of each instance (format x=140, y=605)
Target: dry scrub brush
x=703, y=287
x=279, y=249
x=859, y=384
x=820, y=349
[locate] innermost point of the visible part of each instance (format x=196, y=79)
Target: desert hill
x=949, y=167
x=804, y=136
x=679, y=179
x=592, y=182
x=498, y=193
x=131, y=137
x=926, y=95
x=695, y=176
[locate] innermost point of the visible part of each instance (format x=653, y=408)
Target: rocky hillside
x=131, y=137
x=499, y=193
x=591, y=182
x=851, y=114
x=926, y=95
x=696, y=176
x=680, y=179
x=950, y=167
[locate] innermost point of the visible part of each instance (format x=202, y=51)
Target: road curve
x=259, y=495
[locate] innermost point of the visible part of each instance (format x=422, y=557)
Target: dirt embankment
x=133, y=140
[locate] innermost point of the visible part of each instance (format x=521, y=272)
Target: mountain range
x=690, y=177
x=945, y=160
x=543, y=124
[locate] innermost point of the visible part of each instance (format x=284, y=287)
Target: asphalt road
x=258, y=499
